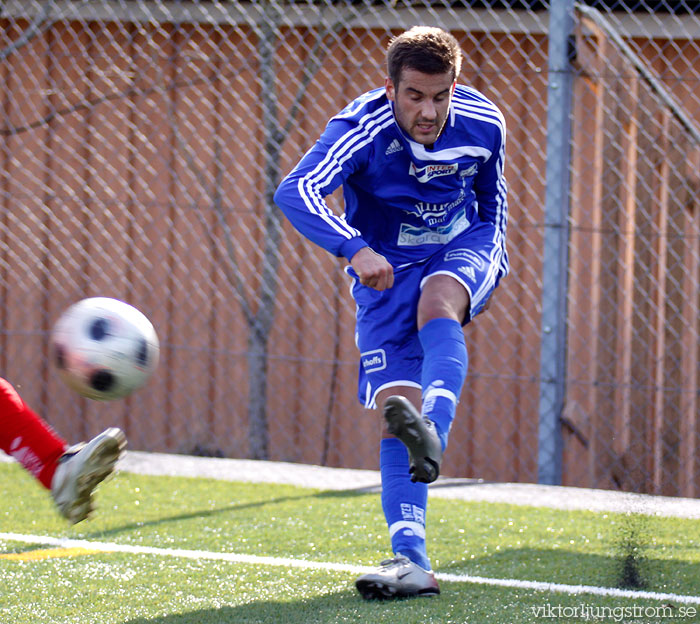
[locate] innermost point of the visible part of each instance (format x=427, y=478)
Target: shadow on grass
x=620, y=570
x=328, y=609
x=208, y=513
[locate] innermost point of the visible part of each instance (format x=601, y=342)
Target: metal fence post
x=555, y=254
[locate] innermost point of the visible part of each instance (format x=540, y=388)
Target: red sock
x=26, y=437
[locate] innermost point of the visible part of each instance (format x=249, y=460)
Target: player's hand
x=373, y=269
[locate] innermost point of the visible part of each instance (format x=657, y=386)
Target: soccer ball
x=103, y=348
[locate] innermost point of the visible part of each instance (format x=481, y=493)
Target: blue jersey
x=402, y=199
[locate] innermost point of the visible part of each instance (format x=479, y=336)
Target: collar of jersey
x=418, y=150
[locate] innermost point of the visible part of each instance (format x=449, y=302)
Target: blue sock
x=445, y=364
x=404, y=503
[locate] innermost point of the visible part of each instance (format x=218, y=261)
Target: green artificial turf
x=495, y=541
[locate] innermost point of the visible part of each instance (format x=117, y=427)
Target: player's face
x=421, y=103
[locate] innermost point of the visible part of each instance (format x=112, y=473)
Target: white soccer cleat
x=397, y=578
x=81, y=469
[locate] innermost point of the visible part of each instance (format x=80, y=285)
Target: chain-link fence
x=142, y=142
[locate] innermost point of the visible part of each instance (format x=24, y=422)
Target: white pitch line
x=341, y=567
x=575, y=590
x=179, y=552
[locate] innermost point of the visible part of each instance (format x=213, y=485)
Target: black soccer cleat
x=418, y=435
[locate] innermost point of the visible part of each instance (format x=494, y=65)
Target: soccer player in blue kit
x=421, y=165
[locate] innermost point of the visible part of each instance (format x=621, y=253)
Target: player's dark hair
x=425, y=49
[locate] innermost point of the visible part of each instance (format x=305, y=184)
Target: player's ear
x=390, y=90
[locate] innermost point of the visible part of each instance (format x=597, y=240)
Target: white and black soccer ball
x=104, y=349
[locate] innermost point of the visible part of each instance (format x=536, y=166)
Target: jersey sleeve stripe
x=310, y=185
x=481, y=114
x=343, y=149
x=316, y=205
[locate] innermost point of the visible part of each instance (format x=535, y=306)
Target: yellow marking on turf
x=48, y=553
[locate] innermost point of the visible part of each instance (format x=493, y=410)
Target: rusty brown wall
x=632, y=394
x=105, y=200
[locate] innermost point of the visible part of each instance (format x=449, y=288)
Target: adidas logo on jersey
x=394, y=147
x=469, y=272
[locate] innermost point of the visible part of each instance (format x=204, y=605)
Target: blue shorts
x=386, y=330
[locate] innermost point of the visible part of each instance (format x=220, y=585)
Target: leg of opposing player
x=26, y=437
x=81, y=469
x=71, y=473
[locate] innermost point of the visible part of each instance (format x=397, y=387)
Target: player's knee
x=434, y=307
x=442, y=297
